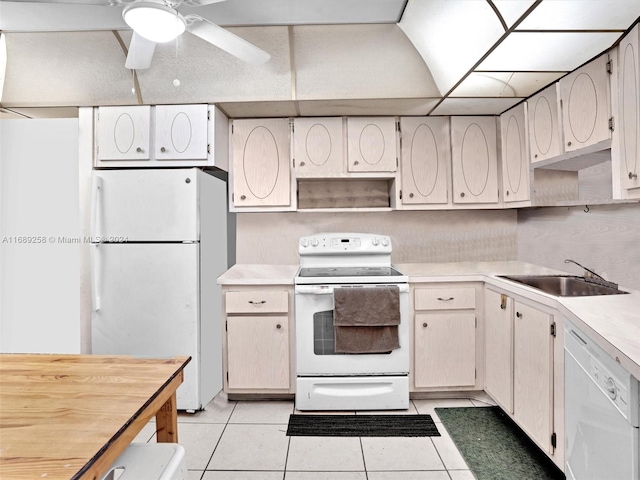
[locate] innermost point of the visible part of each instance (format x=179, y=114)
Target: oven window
x=324, y=340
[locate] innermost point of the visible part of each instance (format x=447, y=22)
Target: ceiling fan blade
x=226, y=40
x=140, y=53
x=199, y=3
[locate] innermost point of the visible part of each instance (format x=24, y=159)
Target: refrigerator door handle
x=95, y=274
x=96, y=188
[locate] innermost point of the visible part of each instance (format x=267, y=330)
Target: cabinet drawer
x=444, y=298
x=259, y=301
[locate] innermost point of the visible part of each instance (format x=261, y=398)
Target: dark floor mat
x=494, y=447
x=362, y=426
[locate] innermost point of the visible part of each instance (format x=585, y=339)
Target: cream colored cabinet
x=318, y=147
x=445, y=337
x=515, y=155
x=545, y=137
x=519, y=364
x=261, y=164
x=586, y=106
x=498, y=335
x=533, y=373
x=426, y=159
x=474, y=160
x=181, y=132
x=124, y=133
x=371, y=144
x=625, y=149
x=257, y=341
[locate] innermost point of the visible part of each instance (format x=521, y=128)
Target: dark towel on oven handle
x=366, y=320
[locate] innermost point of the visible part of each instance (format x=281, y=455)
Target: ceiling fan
x=159, y=21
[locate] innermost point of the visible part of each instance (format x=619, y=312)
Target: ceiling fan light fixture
x=154, y=21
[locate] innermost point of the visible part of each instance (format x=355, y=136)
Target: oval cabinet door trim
x=318, y=145
x=583, y=108
x=372, y=144
x=629, y=106
x=513, y=154
x=475, y=159
x=124, y=133
x=181, y=132
x=424, y=160
x=262, y=181
x=542, y=125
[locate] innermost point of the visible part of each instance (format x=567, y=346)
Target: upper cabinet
x=625, y=146
x=426, y=160
x=515, y=155
x=474, y=160
x=371, y=144
x=586, y=106
x=545, y=139
x=162, y=136
x=318, y=147
x=123, y=133
x=261, y=165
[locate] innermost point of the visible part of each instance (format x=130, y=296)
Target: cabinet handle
x=302, y=164
x=162, y=149
x=425, y=325
x=518, y=314
x=507, y=193
x=503, y=301
x=257, y=303
x=632, y=175
x=535, y=156
x=568, y=144
x=278, y=326
x=445, y=299
x=356, y=162
x=462, y=194
x=243, y=197
x=139, y=150
x=411, y=195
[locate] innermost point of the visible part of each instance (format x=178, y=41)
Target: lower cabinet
x=445, y=337
x=257, y=341
x=519, y=366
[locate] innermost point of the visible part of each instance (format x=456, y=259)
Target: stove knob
x=304, y=242
x=385, y=242
x=314, y=242
x=375, y=242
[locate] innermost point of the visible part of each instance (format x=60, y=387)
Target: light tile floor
x=246, y=440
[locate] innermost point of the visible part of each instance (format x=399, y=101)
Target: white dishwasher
x=601, y=412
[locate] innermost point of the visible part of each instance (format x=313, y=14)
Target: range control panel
x=345, y=243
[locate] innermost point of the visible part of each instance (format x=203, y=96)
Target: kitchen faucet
x=591, y=276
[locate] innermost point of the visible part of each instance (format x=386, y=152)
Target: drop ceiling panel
x=358, y=61
x=504, y=84
x=475, y=106
x=300, y=12
x=547, y=51
x=386, y=106
x=512, y=10
x=582, y=15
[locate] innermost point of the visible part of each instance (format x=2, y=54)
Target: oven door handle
x=317, y=290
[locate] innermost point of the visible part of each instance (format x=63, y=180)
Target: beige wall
x=434, y=236
x=605, y=239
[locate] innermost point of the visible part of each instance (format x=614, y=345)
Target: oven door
x=315, y=340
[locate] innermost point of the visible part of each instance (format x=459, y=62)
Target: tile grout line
x=219, y=440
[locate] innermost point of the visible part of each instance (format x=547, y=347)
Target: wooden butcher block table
x=70, y=416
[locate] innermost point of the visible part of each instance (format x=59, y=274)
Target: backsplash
x=417, y=236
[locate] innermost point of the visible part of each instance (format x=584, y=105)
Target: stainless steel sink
x=563, y=285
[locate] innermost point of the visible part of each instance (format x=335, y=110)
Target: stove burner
x=349, y=272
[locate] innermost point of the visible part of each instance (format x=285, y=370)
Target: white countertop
x=613, y=321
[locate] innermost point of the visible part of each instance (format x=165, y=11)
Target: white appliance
x=327, y=380
x=601, y=412
x=159, y=242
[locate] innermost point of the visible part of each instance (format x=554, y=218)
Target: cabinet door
x=498, y=334
x=258, y=352
x=586, y=105
x=426, y=156
x=474, y=161
x=515, y=155
x=545, y=140
x=533, y=373
x=371, y=144
x=261, y=174
x=123, y=133
x=181, y=132
x=318, y=147
x=445, y=350
x=628, y=128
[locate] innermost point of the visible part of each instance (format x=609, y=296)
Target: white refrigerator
x=158, y=243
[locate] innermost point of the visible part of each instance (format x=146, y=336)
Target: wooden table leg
x=167, y=421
